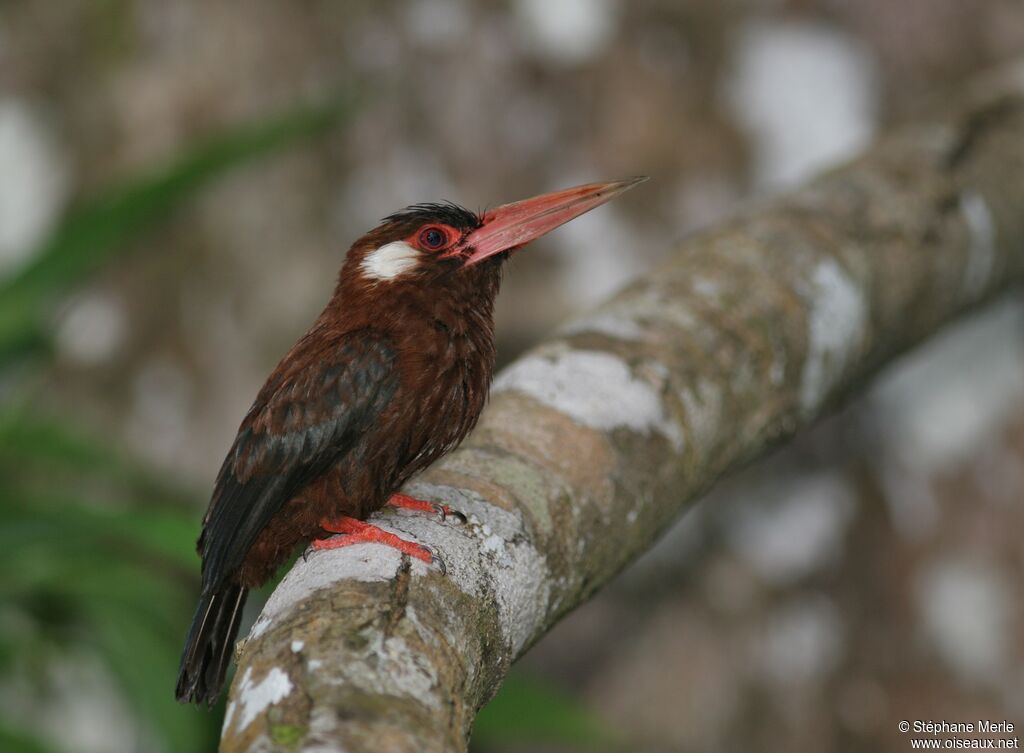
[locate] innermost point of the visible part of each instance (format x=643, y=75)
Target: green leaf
x=98, y=229
x=529, y=711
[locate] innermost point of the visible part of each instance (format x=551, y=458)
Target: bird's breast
x=446, y=376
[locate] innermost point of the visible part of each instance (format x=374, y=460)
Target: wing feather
x=309, y=414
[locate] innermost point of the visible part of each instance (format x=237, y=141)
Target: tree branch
x=598, y=439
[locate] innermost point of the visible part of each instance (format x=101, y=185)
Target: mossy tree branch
x=599, y=438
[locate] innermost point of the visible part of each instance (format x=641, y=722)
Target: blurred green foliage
x=95, y=556
x=530, y=712
x=97, y=552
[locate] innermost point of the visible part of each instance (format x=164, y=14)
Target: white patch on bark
x=513, y=572
x=297, y=646
x=254, y=698
x=982, y=253
x=521, y=583
x=595, y=389
x=365, y=562
x=494, y=545
x=836, y=324
x=390, y=260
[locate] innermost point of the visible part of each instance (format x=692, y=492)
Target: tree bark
x=598, y=439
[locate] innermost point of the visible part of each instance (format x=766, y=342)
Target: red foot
x=359, y=532
x=411, y=503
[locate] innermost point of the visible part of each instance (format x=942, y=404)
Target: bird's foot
x=360, y=532
x=411, y=503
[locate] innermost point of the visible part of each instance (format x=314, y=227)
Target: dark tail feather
x=209, y=644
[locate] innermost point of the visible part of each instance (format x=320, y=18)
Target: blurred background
x=178, y=185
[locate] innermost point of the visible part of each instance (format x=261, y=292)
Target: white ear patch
x=390, y=260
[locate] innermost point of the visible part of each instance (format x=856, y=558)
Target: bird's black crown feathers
x=447, y=213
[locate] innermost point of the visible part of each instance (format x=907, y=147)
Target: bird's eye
x=433, y=238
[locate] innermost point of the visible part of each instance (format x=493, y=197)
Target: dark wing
x=309, y=414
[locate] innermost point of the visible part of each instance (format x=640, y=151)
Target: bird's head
x=431, y=244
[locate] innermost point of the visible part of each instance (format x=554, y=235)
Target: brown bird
x=391, y=376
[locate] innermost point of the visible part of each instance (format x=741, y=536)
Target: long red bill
x=513, y=225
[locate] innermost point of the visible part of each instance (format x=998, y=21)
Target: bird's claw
x=457, y=514
x=443, y=511
x=435, y=559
